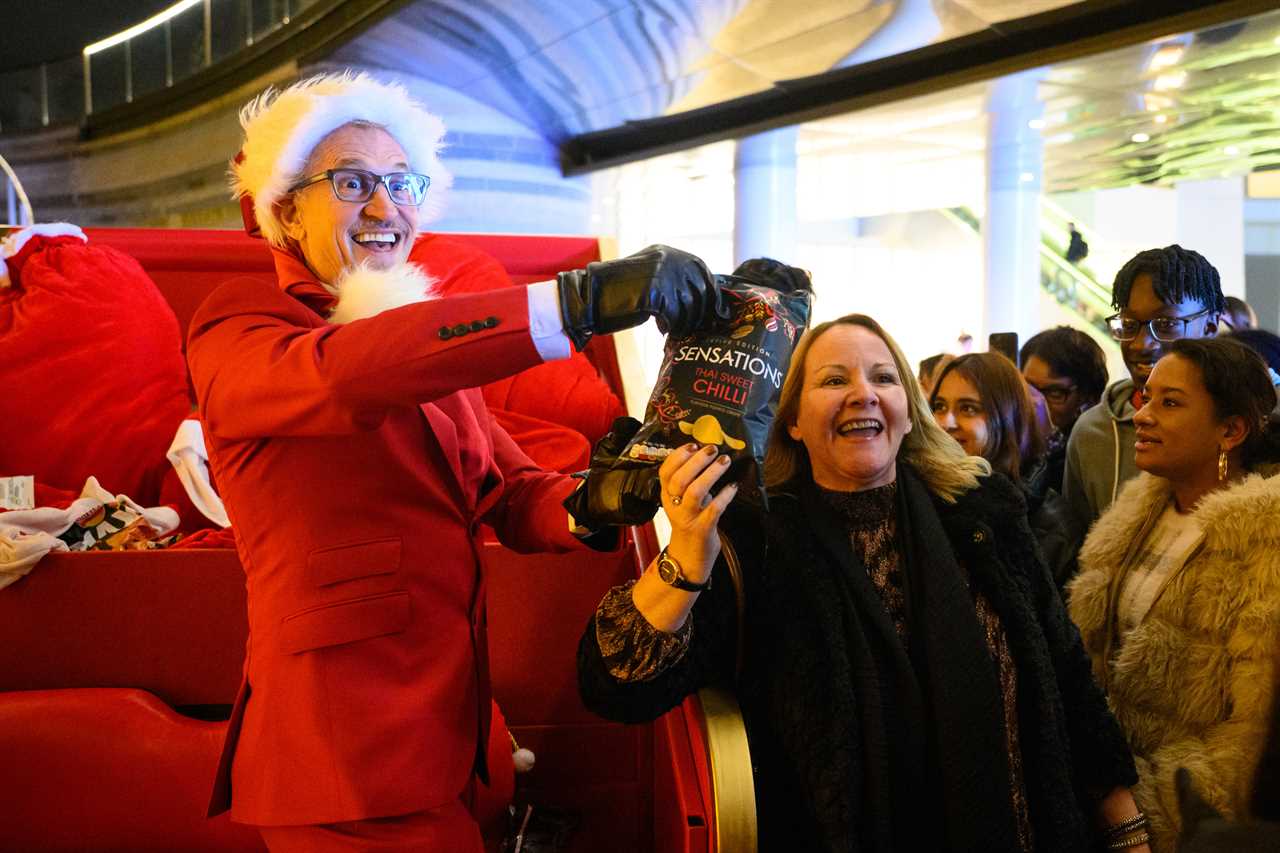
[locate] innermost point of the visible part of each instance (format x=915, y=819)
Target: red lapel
x=446, y=435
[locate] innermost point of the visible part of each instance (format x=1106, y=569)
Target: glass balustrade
x=152, y=55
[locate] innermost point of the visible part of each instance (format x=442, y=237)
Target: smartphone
x=1005, y=343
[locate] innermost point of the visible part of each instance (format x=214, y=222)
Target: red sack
x=567, y=394
x=91, y=365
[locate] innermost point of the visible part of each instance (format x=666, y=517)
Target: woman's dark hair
x=1176, y=274
x=1262, y=342
x=1014, y=443
x=1071, y=353
x=1237, y=380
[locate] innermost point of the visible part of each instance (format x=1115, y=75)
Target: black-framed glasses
x=1162, y=328
x=1056, y=394
x=358, y=185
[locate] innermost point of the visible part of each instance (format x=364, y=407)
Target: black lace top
x=870, y=518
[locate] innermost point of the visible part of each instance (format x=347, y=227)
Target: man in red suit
x=357, y=461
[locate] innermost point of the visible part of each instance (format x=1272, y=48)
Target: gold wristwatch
x=672, y=575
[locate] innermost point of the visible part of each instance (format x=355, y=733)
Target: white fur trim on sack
x=282, y=128
x=363, y=292
x=13, y=244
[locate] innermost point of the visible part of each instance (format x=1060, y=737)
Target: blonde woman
x=910, y=678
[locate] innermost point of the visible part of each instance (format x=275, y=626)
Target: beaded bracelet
x=1127, y=825
x=1126, y=843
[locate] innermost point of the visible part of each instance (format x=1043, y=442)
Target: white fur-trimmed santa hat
x=282, y=128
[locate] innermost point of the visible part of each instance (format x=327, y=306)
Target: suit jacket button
x=478, y=326
x=445, y=333
x=979, y=537
x=490, y=322
x=460, y=329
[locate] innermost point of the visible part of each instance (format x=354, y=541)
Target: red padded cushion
x=109, y=769
x=568, y=393
x=93, y=367
x=553, y=447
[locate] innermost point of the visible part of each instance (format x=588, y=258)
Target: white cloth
x=1166, y=550
x=27, y=535
x=190, y=459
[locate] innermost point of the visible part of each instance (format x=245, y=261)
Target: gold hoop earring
x=1222, y=465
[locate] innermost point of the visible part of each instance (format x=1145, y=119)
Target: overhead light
x=1231, y=150
x=1026, y=177
x=1162, y=118
x=1175, y=80
x=138, y=29
x=1165, y=57
x=1141, y=137
x=1036, y=123
x=1060, y=138
x=1155, y=103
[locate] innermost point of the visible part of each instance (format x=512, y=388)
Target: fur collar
x=363, y=292
x=1246, y=510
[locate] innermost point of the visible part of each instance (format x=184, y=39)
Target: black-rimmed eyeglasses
x=357, y=185
x=1056, y=394
x=1162, y=328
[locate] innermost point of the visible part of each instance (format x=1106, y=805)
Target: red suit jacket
x=357, y=463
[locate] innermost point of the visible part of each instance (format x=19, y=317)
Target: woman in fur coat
x=1178, y=598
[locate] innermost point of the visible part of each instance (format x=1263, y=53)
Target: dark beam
x=1080, y=29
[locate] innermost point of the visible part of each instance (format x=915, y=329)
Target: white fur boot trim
x=363, y=292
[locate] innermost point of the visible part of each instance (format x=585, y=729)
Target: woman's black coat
x=825, y=715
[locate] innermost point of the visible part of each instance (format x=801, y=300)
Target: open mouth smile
x=377, y=241
x=860, y=428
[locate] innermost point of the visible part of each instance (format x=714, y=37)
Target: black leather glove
x=609, y=496
x=662, y=282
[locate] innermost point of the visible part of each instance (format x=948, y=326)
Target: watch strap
x=677, y=578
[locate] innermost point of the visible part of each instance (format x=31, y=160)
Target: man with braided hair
x=1161, y=295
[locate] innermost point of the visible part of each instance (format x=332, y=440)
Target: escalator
x=1074, y=286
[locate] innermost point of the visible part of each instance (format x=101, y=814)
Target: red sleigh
x=108, y=662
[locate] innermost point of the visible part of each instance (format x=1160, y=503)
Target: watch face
x=667, y=571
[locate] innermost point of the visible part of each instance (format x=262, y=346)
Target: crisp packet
x=720, y=385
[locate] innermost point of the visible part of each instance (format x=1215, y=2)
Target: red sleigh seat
x=98, y=649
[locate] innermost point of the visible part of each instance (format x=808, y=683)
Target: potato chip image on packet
x=720, y=385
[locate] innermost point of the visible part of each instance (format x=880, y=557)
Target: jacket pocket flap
x=345, y=622
x=349, y=562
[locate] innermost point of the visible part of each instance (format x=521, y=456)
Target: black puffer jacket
x=822, y=709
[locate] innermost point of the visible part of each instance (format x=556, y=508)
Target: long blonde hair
x=947, y=470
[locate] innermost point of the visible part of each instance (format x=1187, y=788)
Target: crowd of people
x=1008, y=609
x=998, y=607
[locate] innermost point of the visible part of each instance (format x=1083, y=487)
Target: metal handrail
x=15, y=187
x=1093, y=290
x=50, y=82
x=1059, y=213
